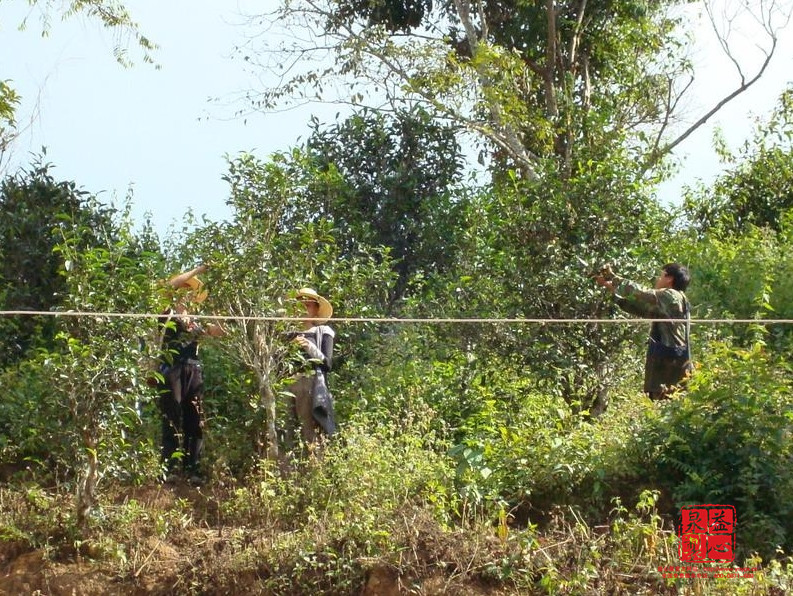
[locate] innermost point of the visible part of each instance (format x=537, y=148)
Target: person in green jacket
x=668, y=351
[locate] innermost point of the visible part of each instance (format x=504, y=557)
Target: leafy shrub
x=28, y=416
x=344, y=505
x=727, y=440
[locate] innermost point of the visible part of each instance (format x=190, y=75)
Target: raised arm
x=177, y=281
x=630, y=296
x=636, y=299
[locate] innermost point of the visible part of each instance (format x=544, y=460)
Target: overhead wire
x=414, y=320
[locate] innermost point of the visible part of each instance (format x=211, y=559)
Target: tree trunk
x=86, y=486
x=268, y=401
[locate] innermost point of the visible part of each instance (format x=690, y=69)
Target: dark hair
x=681, y=275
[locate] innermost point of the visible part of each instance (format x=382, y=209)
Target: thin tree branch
x=550, y=60
x=655, y=157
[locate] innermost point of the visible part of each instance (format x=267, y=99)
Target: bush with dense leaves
x=727, y=440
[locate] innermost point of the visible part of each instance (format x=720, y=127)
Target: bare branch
x=671, y=105
x=723, y=38
x=550, y=59
x=766, y=10
x=575, y=40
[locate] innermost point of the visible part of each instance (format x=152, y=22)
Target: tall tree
x=574, y=105
x=400, y=187
x=537, y=80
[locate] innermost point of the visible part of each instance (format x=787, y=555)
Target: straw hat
x=195, y=285
x=325, y=309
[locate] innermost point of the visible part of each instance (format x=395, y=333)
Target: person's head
x=316, y=306
x=674, y=275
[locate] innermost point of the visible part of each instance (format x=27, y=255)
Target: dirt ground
x=30, y=573
x=204, y=559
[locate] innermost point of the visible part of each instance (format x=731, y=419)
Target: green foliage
x=30, y=419
x=145, y=531
x=521, y=245
x=510, y=440
x=539, y=90
x=364, y=478
x=394, y=15
x=582, y=86
x=29, y=516
x=396, y=185
x=80, y=392
x=9, y=101
x=275, y=244
x=746, y=276
x=532, y=450
x=345, y=507
x=469, y=432
x=739, y=242
x=727, y=440
x=231, y=408
x=443, y=388
x=95, y=384
x=757, y=190
x=34, y=206
x=581, y=559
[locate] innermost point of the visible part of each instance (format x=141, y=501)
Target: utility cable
x=429, y=320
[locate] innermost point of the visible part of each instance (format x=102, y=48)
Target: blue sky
x=109, y=128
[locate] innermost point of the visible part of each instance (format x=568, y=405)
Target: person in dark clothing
x=182, y=387
x=668, y=360
x=316, y=341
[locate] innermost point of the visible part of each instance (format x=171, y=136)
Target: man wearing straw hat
x=312, y=405
x=181, y=392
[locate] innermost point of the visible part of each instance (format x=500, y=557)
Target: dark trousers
x=664, y=376
x=182, y=417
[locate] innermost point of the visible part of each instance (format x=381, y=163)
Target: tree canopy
x=537, y=81
x=399, y=187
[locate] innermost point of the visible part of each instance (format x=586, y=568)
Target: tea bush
x=727, y=440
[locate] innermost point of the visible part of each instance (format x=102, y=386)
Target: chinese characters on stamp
x=707, y=533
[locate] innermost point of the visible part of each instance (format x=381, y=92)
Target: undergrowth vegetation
x=560, y=504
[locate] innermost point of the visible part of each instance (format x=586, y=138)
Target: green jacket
x=668, y=351
x=655, y=304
